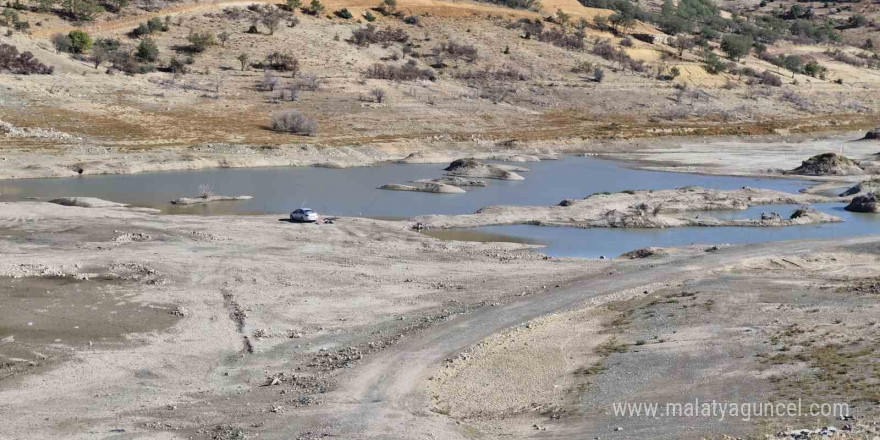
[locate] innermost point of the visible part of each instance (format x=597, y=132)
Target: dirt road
x=387, y=397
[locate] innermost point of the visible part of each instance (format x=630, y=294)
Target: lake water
x=353, y=192
x=611, y=242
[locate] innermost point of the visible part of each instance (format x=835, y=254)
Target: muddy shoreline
x=649, y=154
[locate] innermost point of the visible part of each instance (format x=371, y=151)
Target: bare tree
x=243, y=59
x=378, y=95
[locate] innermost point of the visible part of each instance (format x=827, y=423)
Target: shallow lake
x=353, y=192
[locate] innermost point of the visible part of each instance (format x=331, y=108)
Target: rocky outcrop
x=471, y=167
x=865, y=203
x=644, y=209
x=643, y=253
x=454, y=181
x=209, y=199
x=86, y=202
x=873, y=134
x=868, y=186
x=828, y=164
x=436, y=188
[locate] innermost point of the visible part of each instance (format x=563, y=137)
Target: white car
x=303, y=215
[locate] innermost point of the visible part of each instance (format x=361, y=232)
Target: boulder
x=865, y=203
x=873, y=134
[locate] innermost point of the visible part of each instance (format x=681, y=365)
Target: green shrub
x=369, y=17
x=147, y=51
x=80, y=42
x=201, y=40
x=343, y=13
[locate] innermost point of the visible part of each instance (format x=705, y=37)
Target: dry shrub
x=292, y=121
x=21, y=63
x=370, y=34
x=505, y=73
x=407, y=72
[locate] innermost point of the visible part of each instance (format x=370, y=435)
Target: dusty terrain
x=116, y=322
x=362, y=327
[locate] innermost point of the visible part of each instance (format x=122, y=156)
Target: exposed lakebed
x=354, y=192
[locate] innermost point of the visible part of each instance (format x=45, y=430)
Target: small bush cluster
x=457, y=51
x=607, y=51
x=843, y=57
x=489, y=75
x=200, y=41
x=292, y=121
x=11, y=19
x=11, y=61
x=282, y=62
x=409, y=71
x=797, y=64
x=370, y=34
x=557, y=37
x=531, y=5
x=562, y=38
x=152, y=25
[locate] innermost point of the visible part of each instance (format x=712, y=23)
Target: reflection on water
x=611, y=242
x=354, y=191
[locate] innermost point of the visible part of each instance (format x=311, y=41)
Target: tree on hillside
x=736, y=46
x=271, y=18
x=682, y=43
x=82, y=10
x=622, y=21
x=243, y=59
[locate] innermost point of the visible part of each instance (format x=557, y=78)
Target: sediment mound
x=436, y=188
x=454, y=181
x=828, y=164
x=873, y=134
x=86, y=202
x=209, y=199
x=865, y=203
x=868, y=186
x=471, y=167
x=643, y=253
